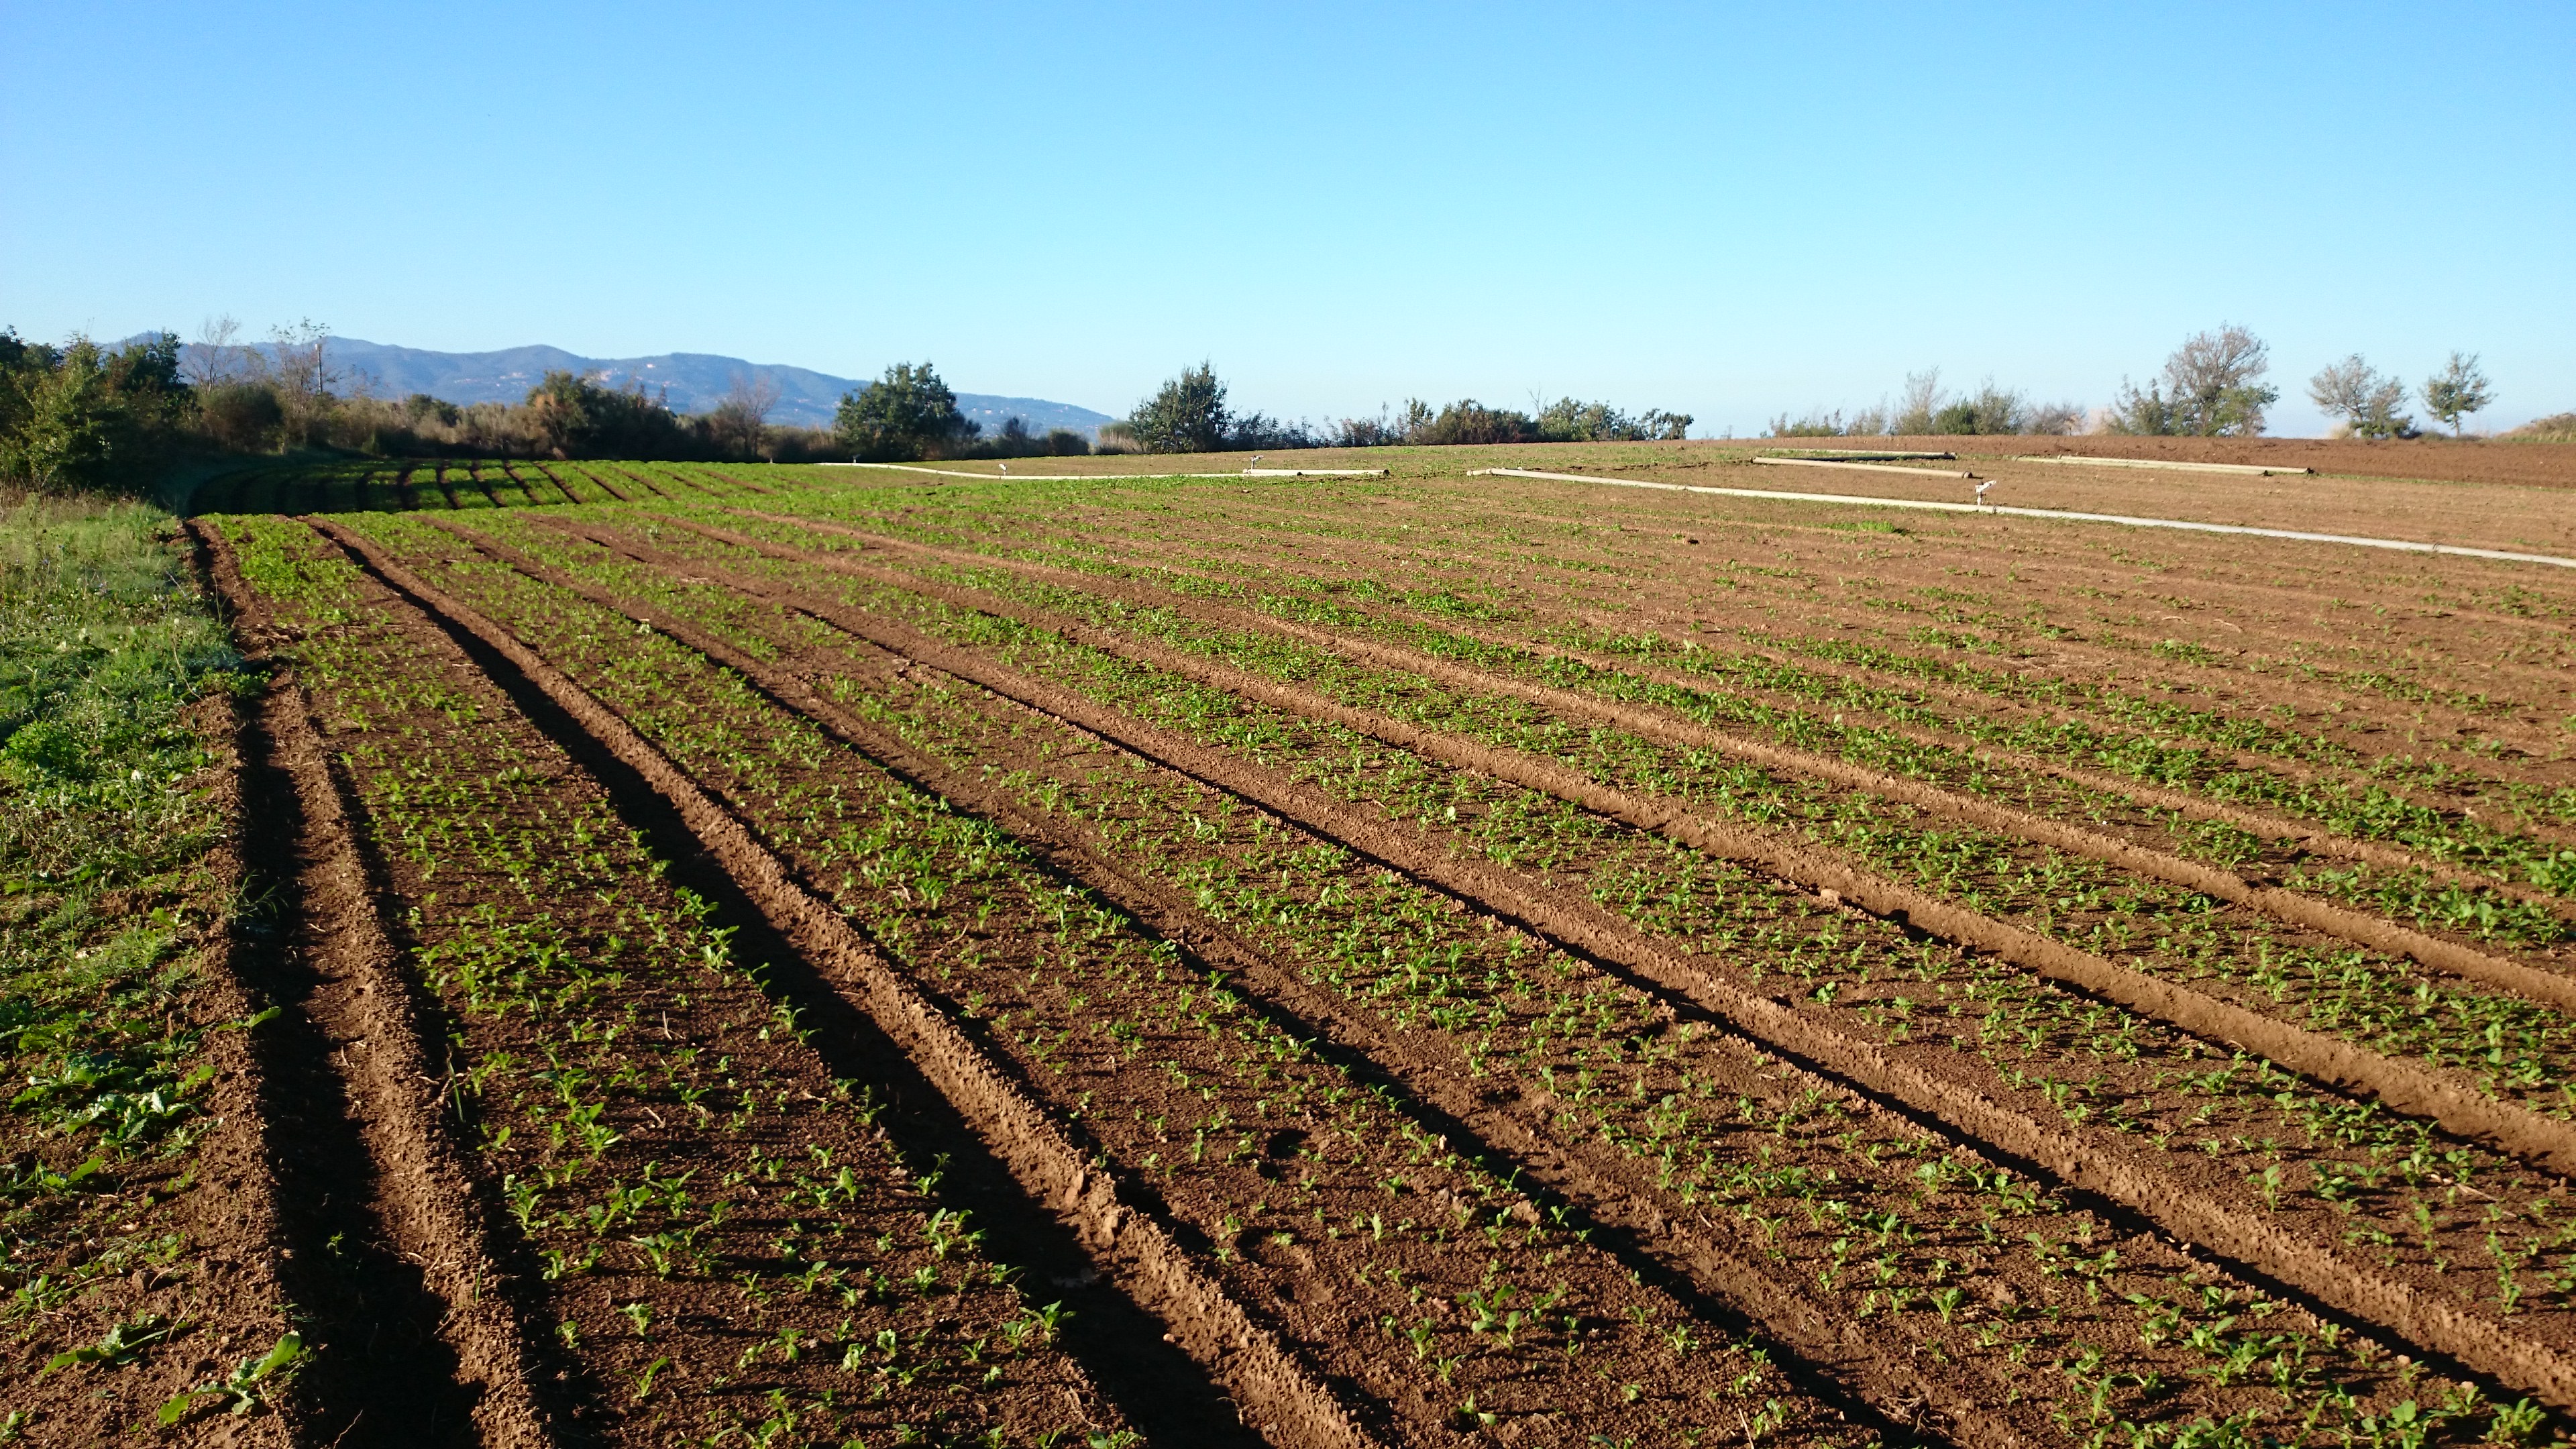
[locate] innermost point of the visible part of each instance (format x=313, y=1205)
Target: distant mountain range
x=692, y=382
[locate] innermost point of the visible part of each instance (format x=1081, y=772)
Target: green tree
x=82, y=419
x=1187, y=415
x=2458, y=390
x=906, y=414
x=1568, y=421
x=1469, y=421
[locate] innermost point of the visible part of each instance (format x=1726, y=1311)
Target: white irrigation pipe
x=1020, y=477
x=1860, y=453
x=1312, y=473
x=1078, y=477
x=2080, y=459
x=2399, y=544
x=1864, y=467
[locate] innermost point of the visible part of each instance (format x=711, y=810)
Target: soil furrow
x=1291, y=1214
x=2362, y=930
x=2191, y=805
x=1776, y=652
x=1613, y=1191
x=2343, y=1065
x=377, y=1154
x=2118, y=1172
x=1291, y=1405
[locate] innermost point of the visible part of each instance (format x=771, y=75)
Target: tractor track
x=1278, y=1393
x=2113, y=1170
x=430, y=1344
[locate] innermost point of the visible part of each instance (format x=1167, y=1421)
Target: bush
x=1816, y=424
x=1014, y=440
x=1928, y=409
x=574, y=417
x=1468, y=421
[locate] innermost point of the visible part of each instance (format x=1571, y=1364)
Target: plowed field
x=809, y=956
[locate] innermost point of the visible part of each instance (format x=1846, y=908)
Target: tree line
x=2214, y=385
x=1191, y=414
x=89, y=417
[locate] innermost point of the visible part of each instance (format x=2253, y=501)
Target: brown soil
x=2455, y=956
x=456, y=1352
x=1316, y=1295
x=698, y=1331
x=219, y=1206
x=2454, y=1331
x=1777, y=1302
x=1174, y=855
x=2461, y=1109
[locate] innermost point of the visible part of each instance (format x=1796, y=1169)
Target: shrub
x=575, y=417
x=1816, y=424
x=1468, y=421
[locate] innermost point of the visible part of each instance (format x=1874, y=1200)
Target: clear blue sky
x=1730, y=211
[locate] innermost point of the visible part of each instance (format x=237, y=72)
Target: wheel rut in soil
x=416, y=1341
x=2091, y=1163
x=2288, y=907
x=1720, y=1284
x=2342, y=1065
x=1289, y=1404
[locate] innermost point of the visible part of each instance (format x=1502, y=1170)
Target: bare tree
x=2054, y=419
x=214, y=359
x=300, y=357
x=2215, y=383
x=740, y=423
x=298, y=367
x=1923, y=398
x=2458, y=390
x=2366, y=399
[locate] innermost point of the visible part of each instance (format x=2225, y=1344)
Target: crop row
x=1334, y=1207
x=2140, y=730
x=709, y=1232
x=1474, y=983
x=476, y=484
x=2394, y=1008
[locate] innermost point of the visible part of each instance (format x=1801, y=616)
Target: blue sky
x=1729, y=211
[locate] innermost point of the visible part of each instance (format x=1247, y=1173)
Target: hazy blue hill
x=692, y=381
